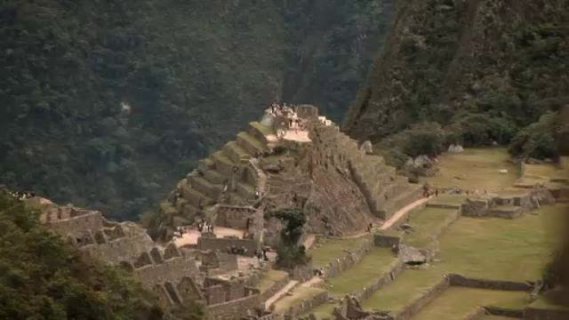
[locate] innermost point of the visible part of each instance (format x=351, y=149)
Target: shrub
x=538, y=140
x=289, y=252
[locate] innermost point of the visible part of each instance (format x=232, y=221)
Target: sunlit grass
x=460, y=302
x=475, y=169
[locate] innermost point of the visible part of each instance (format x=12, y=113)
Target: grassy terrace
x=328, y=250
x=425, y=222
x=299, y=294
x=460, y=302
x=270, y=278
x=475, y=167
x=373, y=266
x=489, y=248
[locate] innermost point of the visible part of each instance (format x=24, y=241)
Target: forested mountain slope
x=107, y=103
x=478, y=71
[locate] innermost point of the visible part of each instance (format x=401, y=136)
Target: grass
x=425, y=223
x=263, y=129
x=542, y=173
x=410, y=285
x=324, y=311
x=499, y=249
x=460, y=302
x=475, y=167
x=299, y=294
x=373, y=266
x=328, y=250
x=489, y=248
x=270, y=278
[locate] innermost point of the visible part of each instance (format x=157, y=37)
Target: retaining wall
x=223, y=244
x=351, y=258
x=414, y=307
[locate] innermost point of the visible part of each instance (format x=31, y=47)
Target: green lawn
x=324, y=311
x=475, y=169
x=494, y=248
x=460, y=302
x=270, y=278
x=328, y=250
x=373, y=266
x=298, y=294
x=425, y=223
x=410, y=285
x=488, y=248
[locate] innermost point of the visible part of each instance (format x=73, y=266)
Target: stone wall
x=410, y=310
x=224, y=244
x=69, y=221
x=233, y=309
x=461, y=281
x=365, y=293
x=348, y=260
x=306, y=305
x=386, y=240
x=155, y=268
x=274, y=288
x=120, y=249
x=235, y=217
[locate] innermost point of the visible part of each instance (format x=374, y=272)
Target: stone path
x=313, y=282
x=191, y=237
x=402, y=212
x=281, y=293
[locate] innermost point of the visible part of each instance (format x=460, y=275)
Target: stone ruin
x=313, y=166
x=507, y=204
x=175, y=275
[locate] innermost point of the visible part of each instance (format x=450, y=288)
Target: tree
x=41, y=277
x=289, y=252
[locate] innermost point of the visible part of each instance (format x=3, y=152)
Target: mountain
x=480, y=70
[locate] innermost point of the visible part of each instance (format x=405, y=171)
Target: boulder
x=411, y=256
x=455, y=148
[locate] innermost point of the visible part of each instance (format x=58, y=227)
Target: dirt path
x=402, y=212
x=281, y=293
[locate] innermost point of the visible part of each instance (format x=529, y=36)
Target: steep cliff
x=484, y=67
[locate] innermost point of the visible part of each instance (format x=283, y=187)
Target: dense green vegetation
x=43, y=278
x=289, y=252
x=192, y=72
x=483, y=71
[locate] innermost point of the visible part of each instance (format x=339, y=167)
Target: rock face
x=469, y=56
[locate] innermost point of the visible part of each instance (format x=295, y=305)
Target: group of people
x=204, y=225
x=22, y=195
x=283, y=111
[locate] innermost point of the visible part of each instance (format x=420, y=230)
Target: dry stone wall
x=351, y=258
x=224, y=244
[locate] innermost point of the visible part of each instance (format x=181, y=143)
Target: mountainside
x=482, y=70
x=105, y=104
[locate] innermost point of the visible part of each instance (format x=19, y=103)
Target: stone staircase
x=227, y=176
